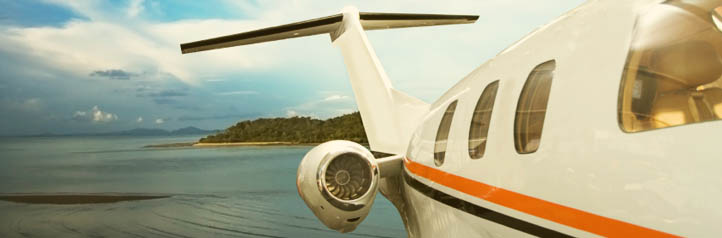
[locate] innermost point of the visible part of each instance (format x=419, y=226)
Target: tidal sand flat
x=75, y=198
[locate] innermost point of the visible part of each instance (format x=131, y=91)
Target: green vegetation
x=294, y=129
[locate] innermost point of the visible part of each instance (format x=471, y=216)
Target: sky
x=85, y=66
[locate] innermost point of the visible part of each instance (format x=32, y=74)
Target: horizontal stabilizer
x=329, y=24
x=388, y=115
x=377, y=21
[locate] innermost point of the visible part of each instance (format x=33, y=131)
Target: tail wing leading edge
x=329, y=24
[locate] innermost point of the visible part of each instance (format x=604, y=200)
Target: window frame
x=444, y=127
x=536, y=78
x=487, y=99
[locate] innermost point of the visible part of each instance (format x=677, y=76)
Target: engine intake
x=338, y=182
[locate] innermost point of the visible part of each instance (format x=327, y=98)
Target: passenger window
x=443, y=134
x=532, y=107
x=673, y=68
x=480, y=121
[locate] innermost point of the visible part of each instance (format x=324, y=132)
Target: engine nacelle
x=338, y=181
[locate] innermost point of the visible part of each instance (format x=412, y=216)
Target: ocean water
x=215, y=192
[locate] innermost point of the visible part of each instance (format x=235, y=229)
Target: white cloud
x=417, y=64
x=159, y=121
x=326, y=107
x=32, y=104
x=100, y=116
x=291, y=113
x=88, y=8
x=238, y=93
x=135, y=8
x=138, y=43
x=335, y=97
x=95, y=115
x=76, y=48
x=139, y=120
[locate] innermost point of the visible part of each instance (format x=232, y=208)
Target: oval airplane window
x=442, y=135
x=673, y=72
x=532, y=107
x=480, y=121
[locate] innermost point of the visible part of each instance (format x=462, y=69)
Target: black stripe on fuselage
x=481, y=212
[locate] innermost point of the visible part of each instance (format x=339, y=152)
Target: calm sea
x=216, y=192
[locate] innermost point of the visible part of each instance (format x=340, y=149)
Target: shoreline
x=202, y=144
x=171, y=145
x=227, y=144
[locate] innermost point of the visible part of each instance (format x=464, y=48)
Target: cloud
x=140, y=42
x=218, y=117
x=113, y=74
x=135, y=8
x=165, y=101
x=335, y=97
x=326, y=107
x=95, y=115
x=164, y=97
x=137, y=44
x=30, y=105
x=238, y=93
x=159, y=121
x=168, y=93
x=139, y=120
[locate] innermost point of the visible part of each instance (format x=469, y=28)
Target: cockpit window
x=442, y=135
x=673, y=69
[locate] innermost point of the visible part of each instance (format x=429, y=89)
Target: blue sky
x=86, y=66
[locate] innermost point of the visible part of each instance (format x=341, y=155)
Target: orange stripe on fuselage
x=561, y=214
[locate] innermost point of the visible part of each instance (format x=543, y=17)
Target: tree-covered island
x=293, y=130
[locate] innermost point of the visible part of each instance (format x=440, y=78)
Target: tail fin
x=389, y=116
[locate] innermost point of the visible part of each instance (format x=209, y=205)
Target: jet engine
x=338, y=181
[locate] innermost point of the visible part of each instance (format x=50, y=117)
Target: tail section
x=389, y=116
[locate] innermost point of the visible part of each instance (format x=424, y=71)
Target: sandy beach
x=202, y=145
x=199, y=144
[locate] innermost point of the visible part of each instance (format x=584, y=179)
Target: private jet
x=600, y=123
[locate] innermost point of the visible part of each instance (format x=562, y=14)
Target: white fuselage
x=664, y=181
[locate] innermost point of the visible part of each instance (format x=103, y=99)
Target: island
x=293, y=130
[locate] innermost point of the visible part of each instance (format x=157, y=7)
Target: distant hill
x=192, y=131
x=138, y=132
x=160, y=132
x=294, y=129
